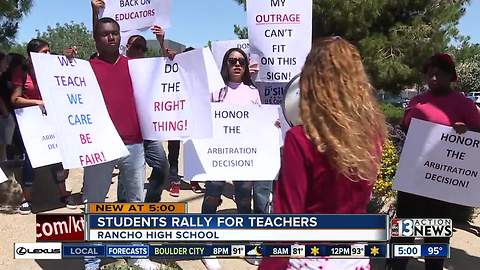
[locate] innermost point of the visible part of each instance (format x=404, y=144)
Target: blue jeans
x=261, y=196
x=155, y=157
x=97, y=178
x=213, y=193
x=173, y=153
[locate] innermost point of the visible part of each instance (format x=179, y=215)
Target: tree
x=11, y=12
x=394, y=37
x=68, y=35
x=469, y=75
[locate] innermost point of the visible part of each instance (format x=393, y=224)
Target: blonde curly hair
x=339, y=111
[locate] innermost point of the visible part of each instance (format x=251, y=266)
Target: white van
x=475, y=96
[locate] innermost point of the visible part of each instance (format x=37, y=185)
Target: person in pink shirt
x=441, y=105
x=330, y=163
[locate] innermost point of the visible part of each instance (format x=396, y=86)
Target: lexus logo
x=21, y=251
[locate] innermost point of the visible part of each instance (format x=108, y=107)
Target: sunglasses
x=233, y=61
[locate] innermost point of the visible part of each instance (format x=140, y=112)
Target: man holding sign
x=440, y=105
x=111, y=70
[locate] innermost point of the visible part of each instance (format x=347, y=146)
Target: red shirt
x=30, y=88
x=444, y=110
x=307, y=184
x=116, y=85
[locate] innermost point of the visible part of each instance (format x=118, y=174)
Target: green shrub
x=392, y=114
x=383, y=186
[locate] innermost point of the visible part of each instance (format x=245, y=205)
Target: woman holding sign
x=239, y=90
x=330, y=163
x=26, y=94
x=441, y=105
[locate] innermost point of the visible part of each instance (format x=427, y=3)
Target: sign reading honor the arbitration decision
x=245, y=145
x=437, y=162
x=83, y=129
x=138, y=14
x=279, y=32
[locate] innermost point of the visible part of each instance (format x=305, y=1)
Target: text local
x=132, y=3
x=135, y=15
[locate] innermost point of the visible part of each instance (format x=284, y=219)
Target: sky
x=194, y=22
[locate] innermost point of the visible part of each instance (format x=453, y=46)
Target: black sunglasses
x=233, y=61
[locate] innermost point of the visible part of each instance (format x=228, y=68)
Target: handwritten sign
x=279, y=33
x=438, y=163
x=83, y=128
x=38, y=136
x=180, y=90
x=244, y=146
x=271, y=92
x=138, y=14
x=219, y=48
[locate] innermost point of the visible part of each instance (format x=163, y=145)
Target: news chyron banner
x=138, y=14
x=71, y=227
x=221, y=228
x=438, y=163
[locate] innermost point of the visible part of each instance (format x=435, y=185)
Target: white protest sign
x=168, y=101
x=244, y=147
x=219, y=48
x=84, y=131
x=438, y=163
x=271, y=92
x=138, y=14
x=279, y=32
x=38, y=136
x=3, y=177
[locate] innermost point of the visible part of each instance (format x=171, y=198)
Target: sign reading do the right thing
x=280, y=34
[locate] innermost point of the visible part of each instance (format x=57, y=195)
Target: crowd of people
x=329, y=163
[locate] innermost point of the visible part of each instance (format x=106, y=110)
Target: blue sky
x=194, y=22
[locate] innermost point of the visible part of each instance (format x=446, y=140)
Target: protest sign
x=138, y=14
x=244, y=147
x=271, y=92
x=3, y=177
x=38, y=136
x=84, y=131
x=180, y=90
x=219, y=48
x=438, y=163
x=279, y=33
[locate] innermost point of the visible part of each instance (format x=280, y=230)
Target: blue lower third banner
x=212, y=228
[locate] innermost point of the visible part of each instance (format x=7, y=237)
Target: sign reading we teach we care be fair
x=74, y=103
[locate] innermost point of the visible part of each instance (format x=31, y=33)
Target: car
x=474, y=95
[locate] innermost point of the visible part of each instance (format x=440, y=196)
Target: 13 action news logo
x=50, y=251
x=423, y=227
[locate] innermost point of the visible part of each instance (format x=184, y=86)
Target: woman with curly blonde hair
x=330, y=162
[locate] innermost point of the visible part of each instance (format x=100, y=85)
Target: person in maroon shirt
x=26, y=93
x=330, y=163
x=441, y=104
x=113, y=76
